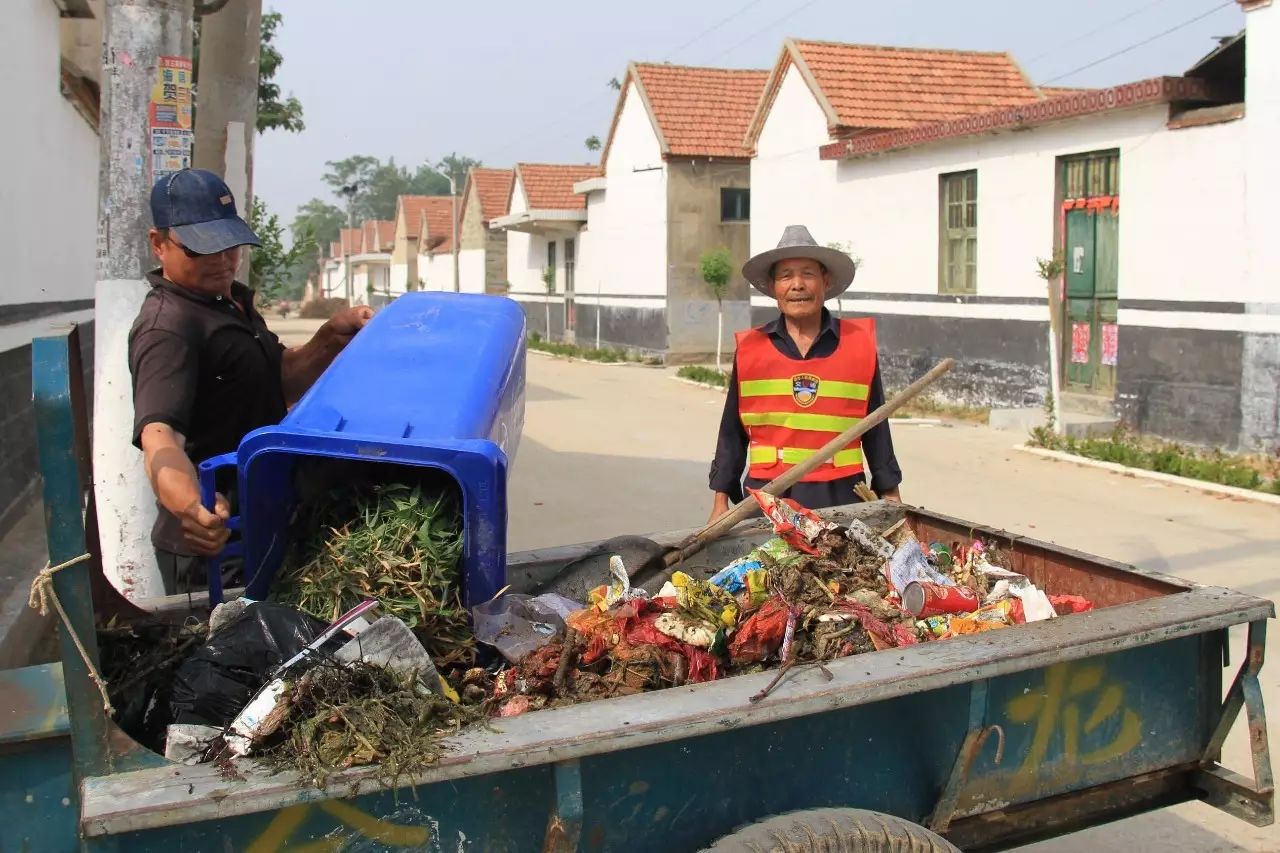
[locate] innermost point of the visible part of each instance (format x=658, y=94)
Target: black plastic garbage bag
x=214, y=684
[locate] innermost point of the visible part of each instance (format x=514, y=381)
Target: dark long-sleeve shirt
x=731, y=447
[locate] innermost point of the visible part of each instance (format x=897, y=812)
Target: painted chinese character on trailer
x=1080, y=343
x=169, y=117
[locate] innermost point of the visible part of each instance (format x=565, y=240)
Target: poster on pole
x=169, y=117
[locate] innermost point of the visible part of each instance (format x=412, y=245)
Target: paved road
x=609, y=450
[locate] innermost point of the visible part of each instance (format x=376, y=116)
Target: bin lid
x=427, y=366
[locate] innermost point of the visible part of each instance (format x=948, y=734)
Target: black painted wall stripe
x=24, y=311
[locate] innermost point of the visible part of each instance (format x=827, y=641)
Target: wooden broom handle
x=746, y=508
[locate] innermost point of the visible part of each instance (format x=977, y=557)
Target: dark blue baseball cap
x=198, y=207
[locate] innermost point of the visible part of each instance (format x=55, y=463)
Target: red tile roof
x=699, y=112
x=437, y=225
x=1158, y=90
x=888, y=87
x=411, y=208
x=870, y=87
x=1059, y=91
x=494, y=188
x=377, y=235
x=549, y=186
x=351, y=240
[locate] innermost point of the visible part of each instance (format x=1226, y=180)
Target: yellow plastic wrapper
x=758, y=586
x=705, y=600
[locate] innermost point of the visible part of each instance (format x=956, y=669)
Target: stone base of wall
x=1182, y=384
x=999, y=363
x=641, y=330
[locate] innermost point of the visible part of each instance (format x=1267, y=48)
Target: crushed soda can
x=922, y=599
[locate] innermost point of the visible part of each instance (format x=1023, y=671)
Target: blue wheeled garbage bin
x=433, y=386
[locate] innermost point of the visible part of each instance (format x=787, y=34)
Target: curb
x=923, y=422
x=577, y=360
x=1141, y=473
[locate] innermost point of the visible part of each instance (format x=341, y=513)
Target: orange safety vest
x=791, y=408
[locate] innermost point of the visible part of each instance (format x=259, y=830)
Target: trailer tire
x=833, y=831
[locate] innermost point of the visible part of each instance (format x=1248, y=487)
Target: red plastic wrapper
x=883, y=635
x=702, y=665
x=1064, y=604
x=762, y=633
x=797, y=526
x=515, y=706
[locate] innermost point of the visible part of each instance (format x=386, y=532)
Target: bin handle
x=207, y=476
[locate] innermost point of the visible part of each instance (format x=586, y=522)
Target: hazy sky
x=505, y=81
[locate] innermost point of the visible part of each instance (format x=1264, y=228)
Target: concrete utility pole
x=453, y=192
x=227, y=118
x=145, y=45
x=349, y=191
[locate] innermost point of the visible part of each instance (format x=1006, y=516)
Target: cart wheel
x=833, y=831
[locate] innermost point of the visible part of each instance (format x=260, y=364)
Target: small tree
x=716, y=269
x=270, y=265
x=1050, y=269
x=847, y=248
x=593, y=143
x=549, y=282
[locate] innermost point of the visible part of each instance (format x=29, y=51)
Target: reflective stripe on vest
x=783, y=388
x=762, y=454
x=792, y=407
x=798, y=420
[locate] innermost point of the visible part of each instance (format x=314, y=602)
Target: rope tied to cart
x=44, y=599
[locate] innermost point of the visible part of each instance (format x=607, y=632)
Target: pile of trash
x=368, y=658
x=814, y=593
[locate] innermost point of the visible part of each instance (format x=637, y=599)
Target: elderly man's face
x=207, y=274
x=800, y=286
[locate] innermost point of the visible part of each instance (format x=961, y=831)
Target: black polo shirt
x=207, y=368
x=731, y=446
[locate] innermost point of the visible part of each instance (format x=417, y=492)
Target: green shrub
x=707, y=375
x=1167, y=457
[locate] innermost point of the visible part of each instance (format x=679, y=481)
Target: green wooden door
x=1081, y=286
x=1106, y=290
x=1092, y=272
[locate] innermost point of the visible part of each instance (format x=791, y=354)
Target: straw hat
x=797, y=242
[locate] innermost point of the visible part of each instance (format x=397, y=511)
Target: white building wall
x=50, y=198
x=524, y=266
x=399, y=277
x=471, y=270
x=624, y=250
x=789, y=184
x=1171, y=182
x=1262, y=103
x=436, y=271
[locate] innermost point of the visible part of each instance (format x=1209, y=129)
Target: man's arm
x=301, y=366
x=877, y=448
x=173, y=479
x=731, y=453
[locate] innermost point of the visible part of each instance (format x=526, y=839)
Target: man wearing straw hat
x=800, y=380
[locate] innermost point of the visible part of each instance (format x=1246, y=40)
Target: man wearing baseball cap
x=206, y=369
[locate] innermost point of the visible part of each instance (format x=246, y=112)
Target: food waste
x=815, y=592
